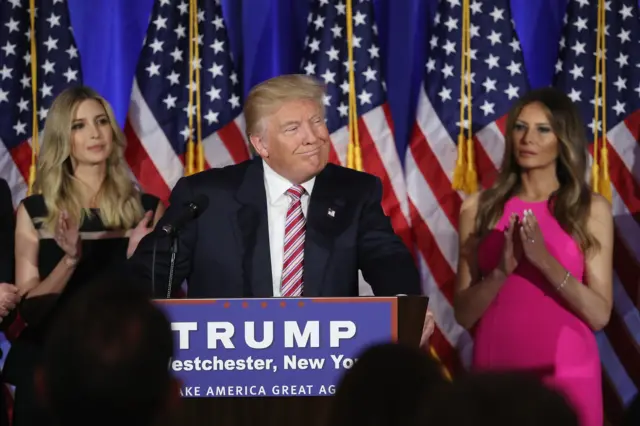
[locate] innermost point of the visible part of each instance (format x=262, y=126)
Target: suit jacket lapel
x=323, y=217
x=253, y=226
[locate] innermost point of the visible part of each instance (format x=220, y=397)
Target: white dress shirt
x=277, y=205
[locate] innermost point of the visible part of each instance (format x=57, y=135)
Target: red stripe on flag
x=372, y=163
x=234, y=142
x=625, y=265
x=633, y=124
x=436, y=178
x=485, y=168
x=502, y=123
x=624, y=346
x=427, y=245
x=448, y=354
x=143, y=167
x=21, y=155
x=387, y=114
x=622, y=179
x=333, y=155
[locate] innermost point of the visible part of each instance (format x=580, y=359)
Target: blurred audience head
x=106, y=359
x=386, y=386
x=497, y=399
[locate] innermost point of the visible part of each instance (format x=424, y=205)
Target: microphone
x=191, y=211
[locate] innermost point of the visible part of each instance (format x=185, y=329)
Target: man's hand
x=143, y=228
x=427, y=330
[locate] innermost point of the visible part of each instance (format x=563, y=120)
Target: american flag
x=326, y=57
x=58, y=66
x=157, y=127
x=575, y=74
x=498, y=79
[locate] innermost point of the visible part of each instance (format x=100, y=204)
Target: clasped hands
x=67, y=235
x=523, y=237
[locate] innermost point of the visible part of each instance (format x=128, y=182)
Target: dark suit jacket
x=7, y=229
x=224, y=253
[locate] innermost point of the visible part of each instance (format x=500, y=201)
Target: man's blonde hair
x=269, y=95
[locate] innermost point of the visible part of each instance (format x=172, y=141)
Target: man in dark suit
x=284, y=224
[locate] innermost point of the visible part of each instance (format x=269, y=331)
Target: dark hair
x=385, y=386
x=498, y=399
x=571, y=203
x=106, y=358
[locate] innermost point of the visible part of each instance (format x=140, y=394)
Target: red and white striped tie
x=294, y=232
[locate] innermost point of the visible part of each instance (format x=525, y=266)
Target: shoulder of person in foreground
x=126, y=341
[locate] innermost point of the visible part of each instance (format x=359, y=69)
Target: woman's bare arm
x=592, y=302
x=472, y=295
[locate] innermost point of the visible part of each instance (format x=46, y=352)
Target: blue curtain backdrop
x=267, y=38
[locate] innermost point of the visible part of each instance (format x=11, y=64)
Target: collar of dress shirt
x=277, y=185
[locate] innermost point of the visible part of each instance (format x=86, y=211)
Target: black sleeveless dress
x=102, y=251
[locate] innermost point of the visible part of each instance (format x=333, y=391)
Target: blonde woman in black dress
x=86, y=218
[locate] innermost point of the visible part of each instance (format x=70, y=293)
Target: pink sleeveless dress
x=528, y=327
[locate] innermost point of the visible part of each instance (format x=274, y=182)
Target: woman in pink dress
x=535, y=269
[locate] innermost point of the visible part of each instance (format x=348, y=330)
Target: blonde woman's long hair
x=118, y=199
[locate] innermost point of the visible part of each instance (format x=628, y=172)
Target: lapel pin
x=331, y=213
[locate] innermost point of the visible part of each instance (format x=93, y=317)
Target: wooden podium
x=406, y=318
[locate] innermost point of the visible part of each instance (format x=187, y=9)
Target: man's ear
x=257, y=141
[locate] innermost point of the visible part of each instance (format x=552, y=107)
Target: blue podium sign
x=273, y=347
